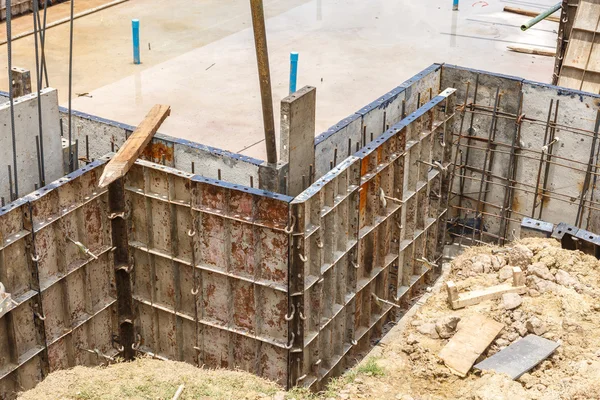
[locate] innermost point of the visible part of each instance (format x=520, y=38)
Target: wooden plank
x=469, y=342
x=532, y=50
x=477, y=296
x=581, y=62
x=134, y=145
x=528, y=13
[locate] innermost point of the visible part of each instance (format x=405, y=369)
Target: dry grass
x=150, y=379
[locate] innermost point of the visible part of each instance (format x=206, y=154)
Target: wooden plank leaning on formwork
x=528, y=13
x=134, y=145
x=477, y=296
x=469, y=342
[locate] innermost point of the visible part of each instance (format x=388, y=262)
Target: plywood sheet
x=469, y=342
x=581, y=65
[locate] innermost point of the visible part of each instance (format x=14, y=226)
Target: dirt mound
x=146, y=378
x=561, y=304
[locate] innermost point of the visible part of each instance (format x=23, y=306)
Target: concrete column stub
x=298, y=112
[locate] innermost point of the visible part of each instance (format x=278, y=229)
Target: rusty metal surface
x=210, y=271
x=64, y=304
x=366, y=238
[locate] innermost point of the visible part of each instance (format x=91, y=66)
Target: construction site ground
x=561, y=304
x=352, y=51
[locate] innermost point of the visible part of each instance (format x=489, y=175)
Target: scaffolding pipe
x=264, y=74
x=542, y=16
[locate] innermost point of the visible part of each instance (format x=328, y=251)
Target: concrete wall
x=371, y=121
x=178, y=153
x=561, y=180
x=26, y=129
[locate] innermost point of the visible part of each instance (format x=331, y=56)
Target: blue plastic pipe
x=135, y=29
x=455, y=5
x=293, y=71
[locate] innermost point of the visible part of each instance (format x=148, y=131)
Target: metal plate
x=519, y=357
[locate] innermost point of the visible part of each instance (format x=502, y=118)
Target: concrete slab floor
x=202, y=61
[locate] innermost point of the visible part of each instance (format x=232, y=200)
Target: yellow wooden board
x=469, y=342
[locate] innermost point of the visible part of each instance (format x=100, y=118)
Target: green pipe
x=542, y=16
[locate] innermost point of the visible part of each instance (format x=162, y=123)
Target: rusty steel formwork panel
x=365, y=241
x=55, y=260
x=210, y=279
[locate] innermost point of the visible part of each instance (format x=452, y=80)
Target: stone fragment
x=428, y=329
x=446, y=326
x=536, y=326
x=505, y=273
x=511, y=301
x=565, y=279
x=520, y=256
x=540, y=270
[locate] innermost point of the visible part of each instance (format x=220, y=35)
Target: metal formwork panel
x=22, y=345
x=71, y=251
x=62, y=311
x=366, y=237
x=210, y=271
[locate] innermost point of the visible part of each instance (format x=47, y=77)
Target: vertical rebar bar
x=71, y=85
x=11, y=99
x=262, y=58
x=38, y=80
x=539, y=175
x=10, y=185
x=510, y=177
x=549, y=159
x=588, y=176
x=37, y=148
x=484, y=169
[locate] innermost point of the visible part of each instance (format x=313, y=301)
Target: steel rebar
x=71, y=163
x=11, y=98
x=262, y=58
x=36, y=28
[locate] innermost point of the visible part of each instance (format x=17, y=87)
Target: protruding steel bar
x=550, y=149
x=485, y=164
x=539, y=175
x=38, y=76
x=264, y=74
x=506, y=210
x=37, y=147
x=588, y=176
x=542, y=16
x=71, y=161
x=11, y=99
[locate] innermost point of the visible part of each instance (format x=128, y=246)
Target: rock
x=477, y=268
x=502, y=342
x=533, y=293
x=498, y=263
x=512, y=336
x=517, y=315
x=446, y=326
x=540, y=270
x=408, y=349
x=412, y=339
x=520, y=256
x=279, y=396
x=536, y=326
x=485, y=260
x=541, y=285
x=563, y=278
x=344, y=396
x=428, y=329
x=505, y=273
x=520, y=327
x=511, y=301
